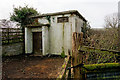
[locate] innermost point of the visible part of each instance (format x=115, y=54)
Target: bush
x=104, y=38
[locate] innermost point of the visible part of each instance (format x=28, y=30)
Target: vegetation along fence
x=93, y=64
x=12, y=35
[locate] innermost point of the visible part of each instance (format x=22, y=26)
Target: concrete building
x=53, y=35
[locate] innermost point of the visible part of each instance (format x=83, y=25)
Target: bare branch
x=111, y=21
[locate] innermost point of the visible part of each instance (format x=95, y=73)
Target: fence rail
x=12, y=35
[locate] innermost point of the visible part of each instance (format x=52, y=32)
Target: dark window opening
x=62, y=19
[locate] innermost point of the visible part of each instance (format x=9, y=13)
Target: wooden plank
x=12, y=35
x=102, y=49
x=60, y=75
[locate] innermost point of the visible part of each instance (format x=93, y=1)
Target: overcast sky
x=93, y=10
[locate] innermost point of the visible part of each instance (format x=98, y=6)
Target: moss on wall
x=63, y=53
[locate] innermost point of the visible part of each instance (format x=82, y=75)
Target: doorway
x=37, y=43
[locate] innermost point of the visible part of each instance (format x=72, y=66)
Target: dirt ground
x=31, y=67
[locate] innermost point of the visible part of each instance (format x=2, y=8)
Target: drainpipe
x=119, y=24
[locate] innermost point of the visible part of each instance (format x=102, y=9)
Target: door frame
x=34, y=42
x=29, y=39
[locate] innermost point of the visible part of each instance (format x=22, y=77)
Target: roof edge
x=61, y=13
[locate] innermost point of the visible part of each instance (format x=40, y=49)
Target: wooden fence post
x=8, y=35
x=76, y=55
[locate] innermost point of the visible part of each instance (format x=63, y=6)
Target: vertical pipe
x=0, y=54
x=119, y=24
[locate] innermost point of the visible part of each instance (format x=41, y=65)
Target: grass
x=102, y=66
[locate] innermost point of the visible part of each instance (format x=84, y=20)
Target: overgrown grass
x=96, y=56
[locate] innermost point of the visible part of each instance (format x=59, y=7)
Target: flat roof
x=61, y=13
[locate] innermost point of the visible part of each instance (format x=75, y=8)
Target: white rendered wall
x=60, y=35
x=45, y=40
x=28, y=41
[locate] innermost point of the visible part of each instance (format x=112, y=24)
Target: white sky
x=93, y=10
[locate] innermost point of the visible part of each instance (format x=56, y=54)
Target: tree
x=85, y=29
x=22, y=14
x=111, y=21
x=111, y=35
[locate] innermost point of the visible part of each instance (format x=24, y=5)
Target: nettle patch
x=96, y=56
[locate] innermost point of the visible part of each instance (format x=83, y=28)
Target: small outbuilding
x=53, y=35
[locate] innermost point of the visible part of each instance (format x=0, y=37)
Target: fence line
x=12, y=35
